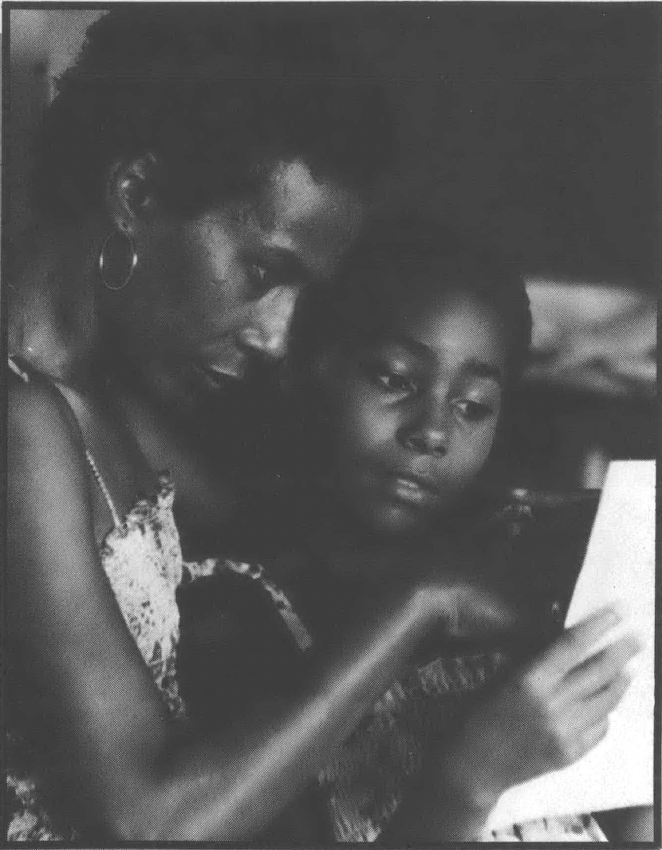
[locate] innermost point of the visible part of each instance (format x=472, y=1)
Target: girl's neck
x=349, y=553
x=333, y=560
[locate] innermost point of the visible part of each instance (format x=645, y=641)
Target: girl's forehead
x=441, y=319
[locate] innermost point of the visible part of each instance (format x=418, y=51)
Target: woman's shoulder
x=35, y=406
x=46, y=459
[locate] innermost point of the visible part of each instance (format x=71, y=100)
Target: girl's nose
x=426, y=436
x=268, y=323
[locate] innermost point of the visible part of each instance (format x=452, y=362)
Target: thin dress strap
x=16, y=369
x=117, y=520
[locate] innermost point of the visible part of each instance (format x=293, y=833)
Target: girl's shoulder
x=520, y=514
x=539, y=539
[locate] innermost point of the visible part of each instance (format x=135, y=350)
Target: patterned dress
x=143, y=561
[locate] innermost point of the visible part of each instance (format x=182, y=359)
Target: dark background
x=539, y=124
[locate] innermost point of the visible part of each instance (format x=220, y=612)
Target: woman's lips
x=218, y=378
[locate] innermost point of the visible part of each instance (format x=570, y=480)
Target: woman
x=194, y=173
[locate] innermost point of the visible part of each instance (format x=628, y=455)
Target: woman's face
x=213, y=297
x=414, y=414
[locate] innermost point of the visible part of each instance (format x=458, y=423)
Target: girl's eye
x=395, y=383
x=473, y=411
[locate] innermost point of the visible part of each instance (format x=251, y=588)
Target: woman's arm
x=118, y=758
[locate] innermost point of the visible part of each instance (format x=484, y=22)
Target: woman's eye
x=473, y=411
x=261, y=278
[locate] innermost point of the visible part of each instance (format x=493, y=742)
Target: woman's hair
x=397, y=256
x=218, y=92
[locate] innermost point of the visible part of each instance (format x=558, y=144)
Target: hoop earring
x=103, y=261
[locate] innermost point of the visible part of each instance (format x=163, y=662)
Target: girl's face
x=414, y=414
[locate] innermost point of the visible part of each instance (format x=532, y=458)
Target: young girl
x=403, y=375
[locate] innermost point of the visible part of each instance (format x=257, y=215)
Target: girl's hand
x=548, y=715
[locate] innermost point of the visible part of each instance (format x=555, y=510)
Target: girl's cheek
x=366, y=425
x=486, y=444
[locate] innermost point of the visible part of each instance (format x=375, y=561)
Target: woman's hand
x=467, y=604
x=548, y=715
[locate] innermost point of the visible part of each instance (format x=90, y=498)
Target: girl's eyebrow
x=473, y=367
x=481, y=369
x=404, y=341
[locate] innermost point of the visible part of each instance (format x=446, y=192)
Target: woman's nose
x=268, y=322
x=426, y=435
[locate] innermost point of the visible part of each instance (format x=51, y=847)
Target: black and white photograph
x=330, y=423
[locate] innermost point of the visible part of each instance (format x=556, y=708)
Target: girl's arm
x=548, y=715
x=118, y=760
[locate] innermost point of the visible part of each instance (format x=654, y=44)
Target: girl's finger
x=591, y=737
x=576, y=643
x=598, y=671
x=596, y=709
x=583, y=716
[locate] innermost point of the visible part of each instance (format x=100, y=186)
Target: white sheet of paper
x=619, y=567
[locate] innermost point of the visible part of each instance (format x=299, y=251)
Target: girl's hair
x=218, y=92
x=399, y=255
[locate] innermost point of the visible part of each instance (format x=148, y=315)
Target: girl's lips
x=425, y=482
x=413, y=489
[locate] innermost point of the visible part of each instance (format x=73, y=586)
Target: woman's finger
x=474, y=611
x=598, y=671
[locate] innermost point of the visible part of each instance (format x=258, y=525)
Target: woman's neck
x=52, y=301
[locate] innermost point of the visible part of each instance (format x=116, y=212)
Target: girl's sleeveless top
x=142, y=558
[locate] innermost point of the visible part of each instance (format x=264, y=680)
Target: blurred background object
x=591, y=388
x=537, y=124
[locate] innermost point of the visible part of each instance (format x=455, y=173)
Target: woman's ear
x=130, y=191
